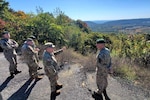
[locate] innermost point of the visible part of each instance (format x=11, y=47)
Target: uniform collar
x=48, y=52
x=102, y=49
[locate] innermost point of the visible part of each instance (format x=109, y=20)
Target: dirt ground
x=75, y=83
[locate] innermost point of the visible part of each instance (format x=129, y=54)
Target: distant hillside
x=91, y=24
x=126, y=26
x=95, y=23
x=101, y=21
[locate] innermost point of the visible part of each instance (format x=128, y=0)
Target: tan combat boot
x=38, y=77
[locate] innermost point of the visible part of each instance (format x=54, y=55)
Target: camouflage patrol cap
x=100, y=41
x=5, y=32
x=32, y=37
x=49, y=44
x=29, y=39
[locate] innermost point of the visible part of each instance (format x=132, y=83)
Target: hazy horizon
x=88, y=9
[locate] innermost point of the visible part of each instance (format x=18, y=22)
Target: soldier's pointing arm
x=58, y=51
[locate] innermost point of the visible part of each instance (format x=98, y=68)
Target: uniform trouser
x=101, y=79
x=33, y=68
x=13, y=62
x=53, y=77
x=37, y=57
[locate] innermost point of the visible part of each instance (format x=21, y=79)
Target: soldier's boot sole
x=37, y=78
x=17, y=72
x=59, y=87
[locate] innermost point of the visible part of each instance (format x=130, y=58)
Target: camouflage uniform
x=30, y=59
x=51, y=68
x=34, y=46
x=103, y=63
x=9, y=46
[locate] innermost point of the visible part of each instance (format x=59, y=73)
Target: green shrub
x=127, y=72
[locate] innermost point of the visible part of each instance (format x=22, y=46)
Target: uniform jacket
x=29, y=53
x=49, y=60
x=104, y=58
x=9, y=46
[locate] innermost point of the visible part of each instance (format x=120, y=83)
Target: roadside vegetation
x=130, y=52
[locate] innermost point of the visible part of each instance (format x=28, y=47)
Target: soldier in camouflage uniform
x=29, y=53
x=103, y=65
x=51, y=68
x=9, y=46
x=34, y=46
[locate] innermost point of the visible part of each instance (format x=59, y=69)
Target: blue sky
x=88, y=9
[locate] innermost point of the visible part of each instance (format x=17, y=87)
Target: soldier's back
x=28, y=53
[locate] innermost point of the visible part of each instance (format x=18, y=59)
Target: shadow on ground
x=24, y=92
x=1, y=98
x=4, y=84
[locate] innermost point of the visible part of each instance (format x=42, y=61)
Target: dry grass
x=124, y=68
x=89, y=63
x=143, y=77
x=69, y=56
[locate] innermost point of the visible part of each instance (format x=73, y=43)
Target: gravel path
x=74, y=80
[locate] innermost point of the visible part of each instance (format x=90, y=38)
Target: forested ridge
x=60, y=29
x=141, y=25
